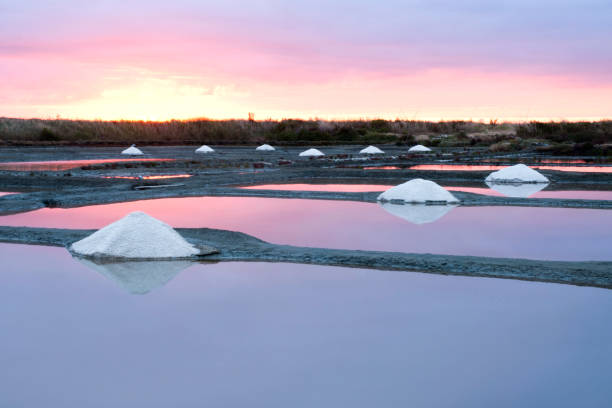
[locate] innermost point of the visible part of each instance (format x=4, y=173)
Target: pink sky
x=412, y=60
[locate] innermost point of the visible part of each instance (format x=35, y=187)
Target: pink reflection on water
x=157, y=177
x=538, y=233
x=343, y=188
x=3, y=193
x=364, y=188
x=64, y=164
x=575, y=194
x=482, y=167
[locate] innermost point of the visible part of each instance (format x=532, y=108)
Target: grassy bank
x=556, y=137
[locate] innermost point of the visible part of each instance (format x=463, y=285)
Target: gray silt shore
x=237, y=246
x=67, y=192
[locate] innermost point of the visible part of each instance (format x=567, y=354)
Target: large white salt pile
x=312, y=153
x=419, y=148
x=519, y=173
x=265, y=148
x=132, y=151
x=371, y=150
x=417, y=213
x=204, y=149
x=418, y=191
x=138, y=277
x=135, y=236
x=519, y=190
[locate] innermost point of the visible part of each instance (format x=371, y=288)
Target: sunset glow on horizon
x=349, y=60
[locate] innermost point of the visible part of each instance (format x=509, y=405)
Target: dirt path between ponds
x=237, y=246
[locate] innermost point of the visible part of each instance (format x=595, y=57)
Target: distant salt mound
x=517, y=190
x=205, y=149
x=132, y=151
x=417, y=213
x=138, y=277
x=265, y=148
x=519, y=173
x=371, y=150
x=419, y=148
x=312, y=153
x=135, y=236
x=418, y=191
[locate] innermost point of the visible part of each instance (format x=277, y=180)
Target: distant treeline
x=231, y=132
x=291, y=132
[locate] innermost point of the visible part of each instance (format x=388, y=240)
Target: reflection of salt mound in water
x=132, y=151
x=136, y=236
x=417, y=213
x=518, y=190
x=418, y=191
x=205, y=149
x=371, y=150
x=138, y=277
x=519, y=173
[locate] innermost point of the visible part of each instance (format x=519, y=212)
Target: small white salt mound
x=418, y=191
x=312, y=153
x=204, y=149
x=519, y=173
x=371, y=150
x=138, y=277
x=265, y=148
x=419, y=148
x=519, y=190
x=132, y=151
x=417, y=213
x=135, y=236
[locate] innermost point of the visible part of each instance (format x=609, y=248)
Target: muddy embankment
x=50, y=190
x=236, y=246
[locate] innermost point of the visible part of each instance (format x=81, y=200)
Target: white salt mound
x=371, y=150
x=312, y=153
x=519, y=173
x=418, y=191
x=518, y=190
x=132, y=151
x=204, y=149
x=135, y=236
x=419, y=148
x=417, y=213
x=138, y=277
x=265, y=148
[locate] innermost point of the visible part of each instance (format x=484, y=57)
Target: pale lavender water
x=285, y=335
x=513, y=232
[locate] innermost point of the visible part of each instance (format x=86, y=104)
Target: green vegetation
x=589, y=138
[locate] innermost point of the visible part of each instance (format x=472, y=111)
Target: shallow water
x=514, y=232
x=477, y=167
x=364, y=188
x=284, y=335
x=60, y=165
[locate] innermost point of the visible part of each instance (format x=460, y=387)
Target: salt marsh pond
x=216, y=332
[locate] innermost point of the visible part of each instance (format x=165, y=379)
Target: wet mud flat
x=237, y=246
x=49, y=189
x=82, y=187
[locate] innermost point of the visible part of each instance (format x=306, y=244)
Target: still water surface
x=514, y=232
x=59, y=165
x=536, y=190
x=283, y=335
